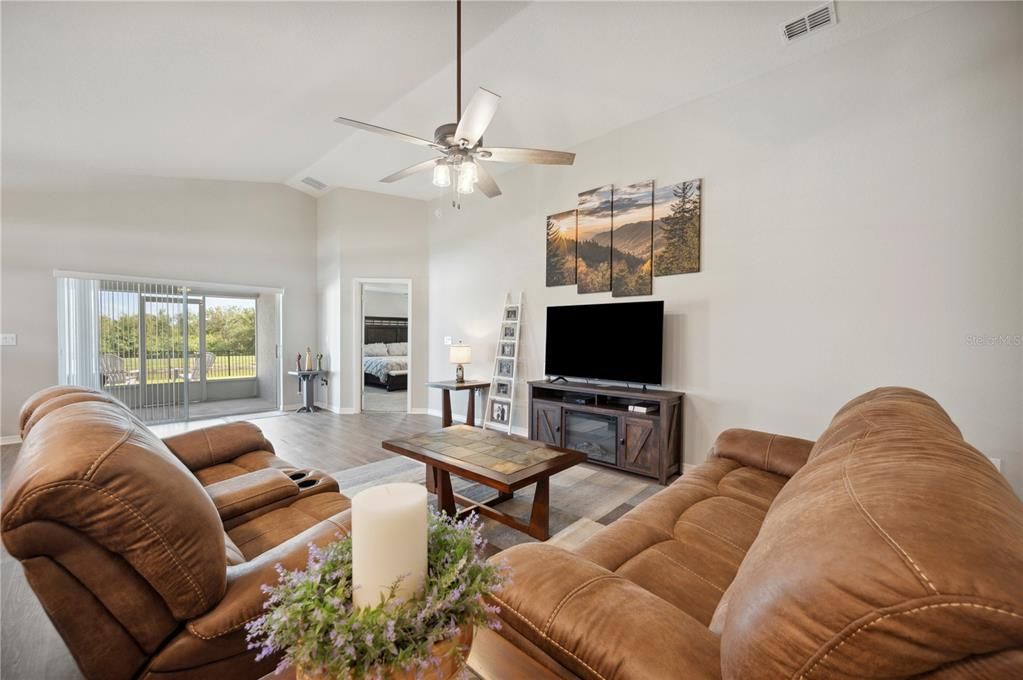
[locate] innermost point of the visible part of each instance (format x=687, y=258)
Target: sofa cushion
x=597, y=623
x=277, y=526
x=896, y=550
x=685, y=543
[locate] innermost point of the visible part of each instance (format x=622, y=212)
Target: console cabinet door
x=547, y=423
x=640, y=445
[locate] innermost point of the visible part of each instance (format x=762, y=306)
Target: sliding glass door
x=170, y=353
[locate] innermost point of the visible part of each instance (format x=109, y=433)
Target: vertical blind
x=127, y=338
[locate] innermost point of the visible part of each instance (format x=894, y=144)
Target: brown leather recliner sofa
x=148, y=555
x=888, y=548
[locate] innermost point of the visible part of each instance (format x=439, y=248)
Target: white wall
x=215, y=231
x=385, y=302
x=861, y=219
x=367, y=235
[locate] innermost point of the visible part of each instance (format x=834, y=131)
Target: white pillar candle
x=388, y=542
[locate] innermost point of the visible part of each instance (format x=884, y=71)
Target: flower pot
x=448, y=668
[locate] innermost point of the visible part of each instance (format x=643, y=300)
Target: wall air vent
x=822, y=17
x=314, y=183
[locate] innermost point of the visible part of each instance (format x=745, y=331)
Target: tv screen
x=617, y=341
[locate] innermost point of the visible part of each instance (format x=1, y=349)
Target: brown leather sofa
x=148, y=555
x=888, y=548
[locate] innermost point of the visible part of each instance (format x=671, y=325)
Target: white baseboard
x=10, y=439
x=420, y=412
x=327, y=407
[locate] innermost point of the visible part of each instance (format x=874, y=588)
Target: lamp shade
x=460, y=354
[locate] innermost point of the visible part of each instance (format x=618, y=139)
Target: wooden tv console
x=596, y=420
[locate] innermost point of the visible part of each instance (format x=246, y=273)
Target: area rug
x=583, y=498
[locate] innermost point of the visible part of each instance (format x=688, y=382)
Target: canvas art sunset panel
x=561, y=249
x=677, y=228
x=593, y=262
x=632, y=240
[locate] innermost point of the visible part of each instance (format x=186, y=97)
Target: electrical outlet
x=8, y=339
x=447, y=340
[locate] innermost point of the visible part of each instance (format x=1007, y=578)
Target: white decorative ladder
x=501, y=396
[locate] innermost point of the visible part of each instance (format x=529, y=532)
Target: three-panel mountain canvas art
x=619, y=238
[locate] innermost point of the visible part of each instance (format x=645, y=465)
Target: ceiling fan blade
x=506, y=154
x=388, y=133
x=411, y=170
x=485, y=182
x=477, y=116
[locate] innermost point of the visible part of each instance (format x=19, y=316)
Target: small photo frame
x=511, y=313
x=505, y=368
x=506, y=349
x=508, y=332
x=499, y=412
x=502, y=388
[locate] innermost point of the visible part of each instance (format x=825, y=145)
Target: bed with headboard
x=385, y=352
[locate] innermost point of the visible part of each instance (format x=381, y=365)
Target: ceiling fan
x=461, y=144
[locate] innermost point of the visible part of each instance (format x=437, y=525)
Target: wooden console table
x=596, y=420
x=449, y=386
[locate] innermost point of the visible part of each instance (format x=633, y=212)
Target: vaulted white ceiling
x=249, y=91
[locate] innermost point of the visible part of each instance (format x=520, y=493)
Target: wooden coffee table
x=502, y=462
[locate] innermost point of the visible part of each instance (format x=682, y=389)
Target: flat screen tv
x=616, y=341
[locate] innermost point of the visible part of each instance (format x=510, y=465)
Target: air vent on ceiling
x=314, y=183
x=822, y=17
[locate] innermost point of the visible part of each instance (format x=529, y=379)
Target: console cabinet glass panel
x=593, y=434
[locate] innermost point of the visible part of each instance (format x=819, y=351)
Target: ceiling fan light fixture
x=442, y=175
x=466, y=177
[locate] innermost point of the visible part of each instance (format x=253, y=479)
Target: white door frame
x=358, y=323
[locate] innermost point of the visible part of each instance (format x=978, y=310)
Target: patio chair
x=112, y=371
x=193, y=367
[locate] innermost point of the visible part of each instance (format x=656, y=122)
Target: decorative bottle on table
x=308, y=359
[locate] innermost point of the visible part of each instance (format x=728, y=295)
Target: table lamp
x=460, y=354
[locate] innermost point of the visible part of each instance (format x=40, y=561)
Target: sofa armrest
x=598, y=624
x=218, y=444
x=771, y=452
x=243, y=600
x=245, y=493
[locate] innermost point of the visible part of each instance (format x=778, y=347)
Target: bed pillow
x=374, y=349
x=397, y=349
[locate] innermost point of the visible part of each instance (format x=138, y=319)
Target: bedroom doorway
x=385, y=352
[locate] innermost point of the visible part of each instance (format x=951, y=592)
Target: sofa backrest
x=95, y=469
x=897, y=549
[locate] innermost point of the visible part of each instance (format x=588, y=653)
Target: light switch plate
x=8, y=339
x=447, y=339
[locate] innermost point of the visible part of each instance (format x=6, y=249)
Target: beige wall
x=366, y=235
x=861, y=220
x=215, y=231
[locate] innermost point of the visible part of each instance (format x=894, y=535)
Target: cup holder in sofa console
x=295, y=476
x=306, y=483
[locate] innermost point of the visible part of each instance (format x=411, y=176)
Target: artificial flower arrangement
x=310, y=618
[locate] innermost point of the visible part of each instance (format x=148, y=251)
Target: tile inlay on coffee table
x=500, y=461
